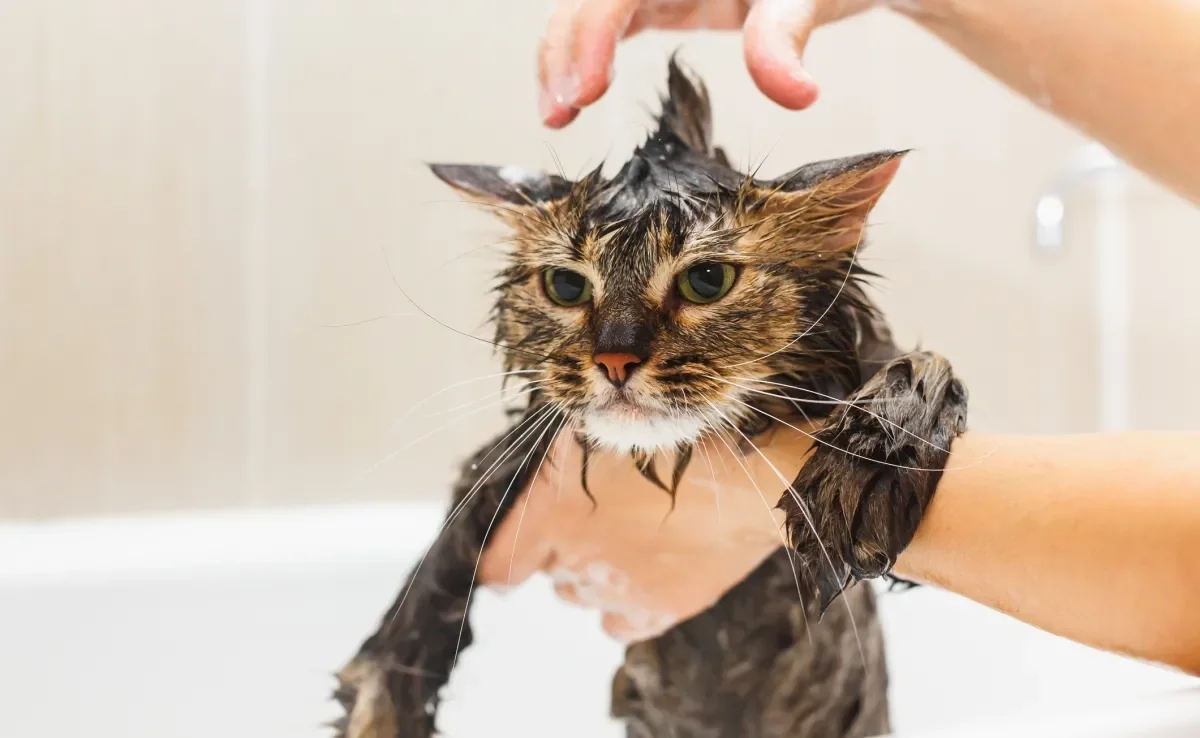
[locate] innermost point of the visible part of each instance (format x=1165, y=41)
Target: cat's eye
x=706, y=282
x=567, y=288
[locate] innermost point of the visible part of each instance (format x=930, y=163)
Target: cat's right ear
x=510, y=185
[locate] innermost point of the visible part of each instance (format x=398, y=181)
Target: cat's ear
x=510, y=185
x=832, y=197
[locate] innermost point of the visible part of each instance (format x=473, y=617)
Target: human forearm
x=1092, y=537
x=1125, y=72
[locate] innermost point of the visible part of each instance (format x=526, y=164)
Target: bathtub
x=230, y=624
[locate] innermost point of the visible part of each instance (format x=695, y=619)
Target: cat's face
x=649, y=303
x=649, y=323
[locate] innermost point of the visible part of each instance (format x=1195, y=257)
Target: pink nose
x=618, y=366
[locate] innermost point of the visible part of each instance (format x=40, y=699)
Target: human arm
x=1095, y=538
x=1125, y=73
x=1092, y=537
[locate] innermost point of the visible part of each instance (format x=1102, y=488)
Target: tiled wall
x=190, y=190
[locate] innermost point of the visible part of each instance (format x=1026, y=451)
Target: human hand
x=575, y=56
x=644, y=565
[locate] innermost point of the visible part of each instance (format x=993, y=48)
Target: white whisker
x=782, y=538
x=513, y=393
x=817, y=322
x=486, y=533
x=396, y=452
x=469, y=495
x=449, y=387
x=364, y=321
x=562, y=469
x=529, y=494
x=716, y=485
x=827, y=444
x=811, y=524
x=847, y=403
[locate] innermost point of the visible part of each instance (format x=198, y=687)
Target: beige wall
x=189, y=190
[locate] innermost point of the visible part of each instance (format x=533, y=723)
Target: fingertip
x=556, y=115
x=502, y=570
x=643, y=627
x=583, y=71
x=618, y=627
x=791, y=89
x=553, y=60
x=592, y=71
x=774, y=38
x=513, y=555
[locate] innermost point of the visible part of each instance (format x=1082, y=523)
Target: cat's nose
x=618, y=366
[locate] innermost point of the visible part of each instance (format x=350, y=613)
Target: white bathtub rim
x=195, y=543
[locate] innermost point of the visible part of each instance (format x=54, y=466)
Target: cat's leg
x=859, y=498
x=756, y=664
x=390, y=689
x=760, y=664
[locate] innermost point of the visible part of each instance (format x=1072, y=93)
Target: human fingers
x=575, y=56
x=519, y=546
x=633, y=626
x=775, y=36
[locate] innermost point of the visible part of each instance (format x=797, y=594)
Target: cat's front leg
x=391, y=688
x=859, y=498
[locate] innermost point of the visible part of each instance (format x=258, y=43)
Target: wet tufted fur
x=795, y=332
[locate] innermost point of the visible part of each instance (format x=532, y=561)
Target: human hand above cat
x=575, y=57
x=644, y=565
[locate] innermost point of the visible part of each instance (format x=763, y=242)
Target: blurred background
x=194, y=193
x=189, y=191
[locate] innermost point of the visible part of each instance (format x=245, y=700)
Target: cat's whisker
x=794, y=341
x=529, y=494
x=508, y=393
x=557, y=162
x=404, y=447
x=545, y=410
x=572, y=426
x=470, y=495
x=529, y=218
x=827, y=444
x=847, y=403
x=364, y=321
x=451, y=328
x=782, y=538
x=778, y=396
x=716, y=486
x=486, y=533
x=811, y=524
x=447, y=388
x=708, y=458
x=468, y=252
x=979, y=460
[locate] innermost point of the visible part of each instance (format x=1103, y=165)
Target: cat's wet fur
x=767, y=660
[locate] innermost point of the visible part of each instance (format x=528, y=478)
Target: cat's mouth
x=623, y=421
x=623, y=403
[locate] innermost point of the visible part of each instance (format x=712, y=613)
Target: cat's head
x=651, y=302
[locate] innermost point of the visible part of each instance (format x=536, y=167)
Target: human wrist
x=925, y=558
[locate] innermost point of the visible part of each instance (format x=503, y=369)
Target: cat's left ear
x=510, y=185
x=832, y=197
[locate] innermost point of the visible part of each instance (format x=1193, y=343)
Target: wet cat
x=676, y=299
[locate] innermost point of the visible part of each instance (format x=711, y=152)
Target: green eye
x=567, y=288
x=706, y=282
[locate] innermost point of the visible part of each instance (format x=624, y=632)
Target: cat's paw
x=860, y=497
x=368, y=691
